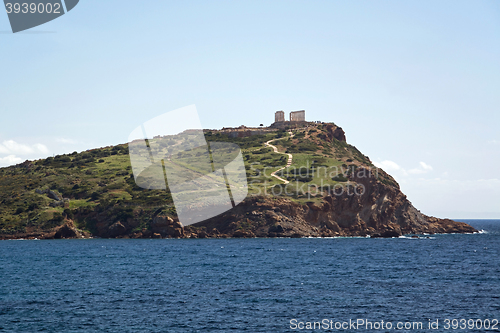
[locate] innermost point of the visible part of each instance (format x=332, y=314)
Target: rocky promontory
x=95, y=194
x=382, y=211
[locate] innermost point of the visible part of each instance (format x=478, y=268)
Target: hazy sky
x=414, y=84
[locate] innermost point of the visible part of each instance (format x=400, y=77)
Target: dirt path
x=288, y=163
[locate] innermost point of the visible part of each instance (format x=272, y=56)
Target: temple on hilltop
x=296, y=118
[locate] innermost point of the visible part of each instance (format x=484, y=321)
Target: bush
x=339, y=178
x=32, y=207
x=62, y=158
x=68, y=213
x=57, y=217
x=48, y=161
x=263, y=151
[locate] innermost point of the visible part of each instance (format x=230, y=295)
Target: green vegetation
x=100, y=185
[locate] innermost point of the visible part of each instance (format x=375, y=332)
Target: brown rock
x=161, y=221
x=277, y=228
x=166, y=226
x=335, y=132
x=243, y=234
x=116, y=229
x=177, y=232
x=339, y=134
x=146, y=233
x=66, y=231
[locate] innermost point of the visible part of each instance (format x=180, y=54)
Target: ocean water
x=251, y=285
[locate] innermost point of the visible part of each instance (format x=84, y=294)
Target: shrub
x=57, y=217
x=32, y=207
x=339, y=178
x=68, y=213
x=62, y=158
x=48, y=161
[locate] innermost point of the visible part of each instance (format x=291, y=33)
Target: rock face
x=116, y=229
x=66, y=230
x=59, y=201
x=165, y=226
x=335, y=132
x=366, y=207
x=380, y=211
x=51, y=194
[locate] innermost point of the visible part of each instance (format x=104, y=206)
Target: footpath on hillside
x=288, y=163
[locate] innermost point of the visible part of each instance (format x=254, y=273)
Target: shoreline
x=404, y=236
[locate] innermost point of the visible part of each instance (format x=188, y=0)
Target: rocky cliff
x=94, y=194
x=381, y=211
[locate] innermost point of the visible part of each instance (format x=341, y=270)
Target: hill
x=306, y=181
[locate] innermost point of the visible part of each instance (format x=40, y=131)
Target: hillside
x=329, y=189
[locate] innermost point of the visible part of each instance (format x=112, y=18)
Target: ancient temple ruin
x=297, y=118
x=279, y=116
x=298, y=115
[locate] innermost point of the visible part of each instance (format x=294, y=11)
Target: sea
x=434, y=283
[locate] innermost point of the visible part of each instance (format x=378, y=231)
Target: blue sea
x=253, y=285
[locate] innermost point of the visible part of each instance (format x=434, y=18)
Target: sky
x=414, y=84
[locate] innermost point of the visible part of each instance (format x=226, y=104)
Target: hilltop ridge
x=329, y=189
